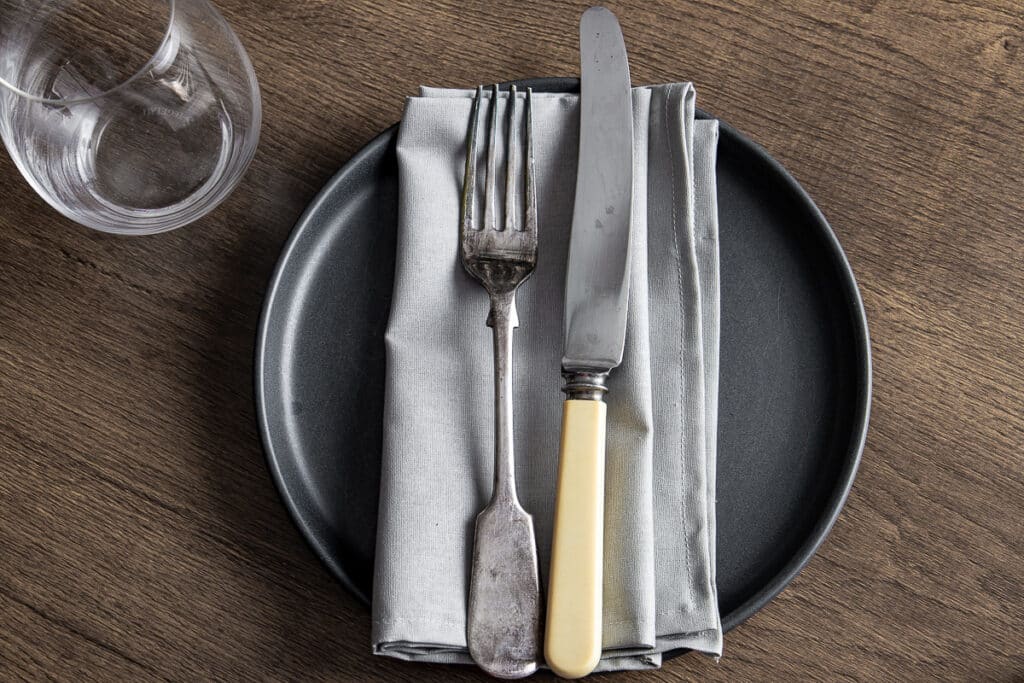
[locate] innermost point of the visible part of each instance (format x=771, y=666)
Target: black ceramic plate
x=794, y=389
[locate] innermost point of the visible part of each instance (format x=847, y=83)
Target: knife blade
x=597, y=276
x=596, y=297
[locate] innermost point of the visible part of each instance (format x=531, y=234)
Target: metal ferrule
x=584, y=386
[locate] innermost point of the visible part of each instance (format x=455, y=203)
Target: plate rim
x=834, y=502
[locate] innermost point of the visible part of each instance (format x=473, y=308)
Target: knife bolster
x=584, y=385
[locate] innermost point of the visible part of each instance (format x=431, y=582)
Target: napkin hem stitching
x=409, y=620
x=679, y=290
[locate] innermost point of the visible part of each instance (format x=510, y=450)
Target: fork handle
x=503, y=620
x=572, y=645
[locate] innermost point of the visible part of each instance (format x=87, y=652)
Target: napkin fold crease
x=659, y=567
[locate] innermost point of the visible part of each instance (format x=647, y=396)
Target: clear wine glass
x=128, y=116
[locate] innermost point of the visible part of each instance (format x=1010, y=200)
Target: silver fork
x=503, y=625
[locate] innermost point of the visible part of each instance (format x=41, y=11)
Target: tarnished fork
x=503, y=625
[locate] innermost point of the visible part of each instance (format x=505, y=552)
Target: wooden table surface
x=141, y=537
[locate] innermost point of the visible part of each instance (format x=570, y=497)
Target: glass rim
x=145, y=68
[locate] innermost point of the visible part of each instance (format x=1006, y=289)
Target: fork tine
x=530, y=218
x=511, y=163
x=492, y=165
x=469, y=179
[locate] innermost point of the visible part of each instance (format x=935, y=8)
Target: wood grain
x=140, y=536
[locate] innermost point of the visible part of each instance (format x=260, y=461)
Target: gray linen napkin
x=659, y=585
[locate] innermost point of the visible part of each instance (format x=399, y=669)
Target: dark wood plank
x=140, y=536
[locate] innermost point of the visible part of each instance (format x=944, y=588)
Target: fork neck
x=502, y=320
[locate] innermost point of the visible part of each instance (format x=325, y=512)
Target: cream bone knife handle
x=572, y=644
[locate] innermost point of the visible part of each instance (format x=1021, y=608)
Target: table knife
x=596, y=294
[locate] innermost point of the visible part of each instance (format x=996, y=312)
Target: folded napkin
x=659, y=566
